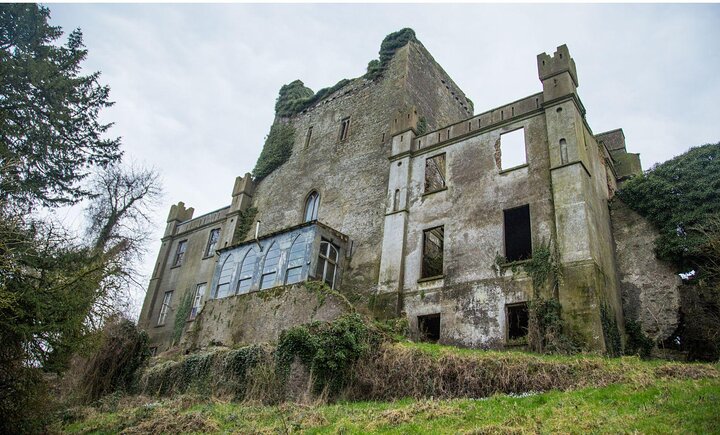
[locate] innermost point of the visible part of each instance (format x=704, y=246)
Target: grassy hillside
x=634, y=395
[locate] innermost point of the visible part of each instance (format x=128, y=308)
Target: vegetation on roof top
x=295, y=97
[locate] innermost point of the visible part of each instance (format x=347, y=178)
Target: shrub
x=329, y=350
x=113, y=367
x=637, y=343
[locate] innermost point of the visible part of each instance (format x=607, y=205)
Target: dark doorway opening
x=429, y=327
x=517, y=320
x=518, y=239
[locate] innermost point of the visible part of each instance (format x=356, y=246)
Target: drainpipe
x=257, y=231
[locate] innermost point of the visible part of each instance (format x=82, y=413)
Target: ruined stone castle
x=404, y=202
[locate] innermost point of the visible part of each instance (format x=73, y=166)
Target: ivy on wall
x=390, y=45
x=245, y=221
x=276, y=151
x=181, y=315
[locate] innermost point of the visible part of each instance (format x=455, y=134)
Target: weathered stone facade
x=372, y=183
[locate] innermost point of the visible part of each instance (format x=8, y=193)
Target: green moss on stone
x=276, y=151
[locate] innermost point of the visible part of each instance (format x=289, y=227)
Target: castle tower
x=578, y=178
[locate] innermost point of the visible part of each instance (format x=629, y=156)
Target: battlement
x=178, y=212
x=560, y=62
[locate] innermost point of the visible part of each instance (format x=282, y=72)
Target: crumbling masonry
x=434, y=225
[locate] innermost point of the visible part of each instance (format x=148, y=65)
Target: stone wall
x=351, y=176
x=261, y=316
x=650, y=288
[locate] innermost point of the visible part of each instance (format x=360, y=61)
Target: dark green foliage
x=329, y=350
x=204, y=373
x=113, y=367
x=292, y=98
x=246, y=218
x=181, y=316
x=700, y=322
x=295, y=97
x=373, y=68
x=276, y=151
x=391, y=44
x=422, y=126
x=678, y=196
x=49, y=113
x=543, y=267
x=547, y=333
x=637, y=343
x=611, y=333
x=24, y=399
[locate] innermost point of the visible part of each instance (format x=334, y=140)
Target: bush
x=637, y=342
x=114, y=366
x=329, y=350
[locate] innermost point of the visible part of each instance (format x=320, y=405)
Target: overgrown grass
x=663, y=406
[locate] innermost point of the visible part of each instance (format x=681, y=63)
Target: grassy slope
x=652, y=400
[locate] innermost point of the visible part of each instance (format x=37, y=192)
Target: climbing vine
x=422, y=126
x=329, y=350
x=245, y=221
x=276, y=150
x=181, y=315
x=611, y=333
x=391, y=44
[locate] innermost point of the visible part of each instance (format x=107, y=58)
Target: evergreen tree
x=50, y=135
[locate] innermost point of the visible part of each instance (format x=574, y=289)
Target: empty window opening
x=225, y=278
x=537, y=103
x=197, y=300
x=247, y=271
x=345, y=128
x=448, y=133
x=327, y=263
x=270, y=267
x=396, y=200
x=308, y=137
x=518, y=238
x=563, y=151
x=402, y=137
x=429, y=327
x=478, y=122
x=180, y=253
x=517, y=320
x=435, y=173
x=312, y=203
x=296, y=259
x=512, y=149
x=383, y=138
x=502, y=114
x=212, y=242
x=438, y=136
x=164, y=308
x=469, y=125
x=432, y=260
x=559, y=110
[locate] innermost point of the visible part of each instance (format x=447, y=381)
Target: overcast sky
x=195, y=85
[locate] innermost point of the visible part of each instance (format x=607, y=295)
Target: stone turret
x=557, y=73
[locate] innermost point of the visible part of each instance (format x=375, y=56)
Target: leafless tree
x=119, y=218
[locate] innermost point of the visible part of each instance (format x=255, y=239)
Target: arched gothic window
x=311, y=206
x=296, y=259
x=226, y=272
x=270, y=267
x=247, y=270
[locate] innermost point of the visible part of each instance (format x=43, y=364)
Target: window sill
x=160, y=326
x=176, y=266
x=431, y=278
x=434, y=191
x=514, y=168
x=208, y=256
x=510, y=264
